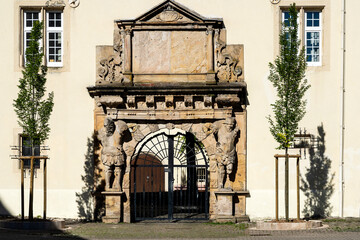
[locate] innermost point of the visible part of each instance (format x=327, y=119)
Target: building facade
x=78, y=35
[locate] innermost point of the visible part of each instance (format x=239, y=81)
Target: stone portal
x=170, y=71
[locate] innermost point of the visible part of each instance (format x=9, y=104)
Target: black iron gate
x=169, y=179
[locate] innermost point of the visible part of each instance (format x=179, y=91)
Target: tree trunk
x=286, y=185
x=31, y=197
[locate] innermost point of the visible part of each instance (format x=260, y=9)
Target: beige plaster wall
x=252, y=23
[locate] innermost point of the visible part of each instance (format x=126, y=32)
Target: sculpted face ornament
x=110, y=126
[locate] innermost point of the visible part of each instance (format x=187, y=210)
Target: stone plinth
x=113, y=206
x=226, y=206
x=261, y=225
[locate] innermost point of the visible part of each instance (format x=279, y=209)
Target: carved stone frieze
x=110, y=70
x=55, y=3
x=169, y=100
x=150, y=101
x=208, y=101
x=110, y=101
x=227, y=99
x=131, y=101
x=188, y=100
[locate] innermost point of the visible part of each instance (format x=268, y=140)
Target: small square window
x=27, y=151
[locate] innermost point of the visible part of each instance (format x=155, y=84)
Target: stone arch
x=190, y=180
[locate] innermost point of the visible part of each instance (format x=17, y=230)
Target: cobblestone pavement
x=193, y=231
x=260, y=235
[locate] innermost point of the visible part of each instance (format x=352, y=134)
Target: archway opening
x=170, y=178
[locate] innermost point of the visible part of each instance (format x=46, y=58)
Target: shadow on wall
x=318, y=182
x=3, y=211
x=90, y=201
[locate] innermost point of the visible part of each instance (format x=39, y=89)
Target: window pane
x=309, y=23
x=51, y=23
x=51, y=16
x=316, y=23
x=28, y=23
x=58, y=23
x=287, y=19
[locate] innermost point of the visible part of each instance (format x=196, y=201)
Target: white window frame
x=54, y=30
x=302, y=31
x=48, y=30
x=28, y=29
x=313, y=30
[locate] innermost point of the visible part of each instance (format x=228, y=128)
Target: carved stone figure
x=112, y=155
x=226, y=134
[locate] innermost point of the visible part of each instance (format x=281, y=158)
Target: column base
x=113, y=207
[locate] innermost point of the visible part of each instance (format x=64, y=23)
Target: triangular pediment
x=171, y=12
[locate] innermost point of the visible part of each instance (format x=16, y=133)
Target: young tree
x=287, y=75
x=32, y=110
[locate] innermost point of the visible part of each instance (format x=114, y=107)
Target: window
x=29, y=19
x=313, y=38
x=54, y=31
x=53, y=39
x=310, y=34
x=25, y=150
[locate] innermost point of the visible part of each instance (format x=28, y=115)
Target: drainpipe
x=342, y=119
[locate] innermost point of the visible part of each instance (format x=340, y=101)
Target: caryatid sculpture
x=226, y=149
x=112, y=155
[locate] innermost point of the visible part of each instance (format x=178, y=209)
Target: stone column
x=210, y=78
x=127, y=56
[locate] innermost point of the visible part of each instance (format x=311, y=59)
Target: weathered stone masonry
x=171, y=69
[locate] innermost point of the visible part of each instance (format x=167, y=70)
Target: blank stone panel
x=166, y=52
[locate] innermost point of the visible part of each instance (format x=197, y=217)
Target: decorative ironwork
x=170, y=179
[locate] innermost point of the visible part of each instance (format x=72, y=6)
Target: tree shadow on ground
x=90, y=201
x=318, y=183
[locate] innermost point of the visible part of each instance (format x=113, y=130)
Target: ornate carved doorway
x=171, y=70
x=169, y=179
